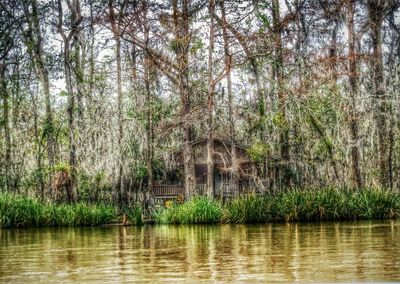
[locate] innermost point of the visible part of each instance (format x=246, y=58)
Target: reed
x=134, y=214
x=199, y=210
x=248, y=209
x=22, y=211
x=290, y=206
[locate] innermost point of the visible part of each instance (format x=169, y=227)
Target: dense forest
x=95, y=95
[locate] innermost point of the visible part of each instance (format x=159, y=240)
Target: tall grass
x=22, y=211
x=199, y=210
x=315, y=205
x=134, y=214
x=293, y=205
x=248, y=209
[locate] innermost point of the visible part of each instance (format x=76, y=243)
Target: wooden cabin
x=226, y=182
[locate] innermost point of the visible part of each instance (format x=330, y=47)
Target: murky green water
x=363, y=251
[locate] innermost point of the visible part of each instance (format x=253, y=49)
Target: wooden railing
x=226, y=189
x=201, y=189
x=169, y=190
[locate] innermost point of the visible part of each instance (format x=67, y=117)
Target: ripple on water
x=329, y=252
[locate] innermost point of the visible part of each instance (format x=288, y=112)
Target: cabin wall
x=223, y=165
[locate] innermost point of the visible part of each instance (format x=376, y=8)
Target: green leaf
x=63, y=93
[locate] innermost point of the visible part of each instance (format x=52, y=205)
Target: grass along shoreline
x=22, y=211
x=290, y=206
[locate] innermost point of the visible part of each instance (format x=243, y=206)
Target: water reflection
x=271, y=252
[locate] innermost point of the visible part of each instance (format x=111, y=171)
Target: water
x=329, y=252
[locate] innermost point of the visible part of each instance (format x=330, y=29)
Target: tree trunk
x=353, y=82
x=75, y=21
x=6, y=124
x=210, y=106
x=181, y=19
x=278, y=66
x=70, y=188
x=376, y=16
x=40, y=182
x=117, y=37
x=34, y=42
x=228, y=58
x=122, y=197
x=149, y=195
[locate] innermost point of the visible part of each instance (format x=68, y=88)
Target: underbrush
x=199, y=210
x=22, y=211
x=290, y=206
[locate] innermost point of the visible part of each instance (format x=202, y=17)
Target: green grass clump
x=134, y=214
x=22, y=211
x=334, y=204
x=310, y=205
x=248, y=209
x=199, y=210
x=163, y=215
x=374, y=204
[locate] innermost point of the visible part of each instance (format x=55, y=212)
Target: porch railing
x=169, y=190
x=226, y=189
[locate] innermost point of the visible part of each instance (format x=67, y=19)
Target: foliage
x=62, y=167
x=23, y=211
x=290, y=206
x=334, y=204
x=248, y=209
x=258, y=152
x=199, y=210
x=91, y=186
x=134, y=214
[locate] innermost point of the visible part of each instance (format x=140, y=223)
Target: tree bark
x=76, y=18
x=353, y=83
x=117, y=37
x=6, y=125
x=149, y=194
x=40, y=182
x=34, y=42
x=278, y=68
x=181, y=20
x=376, y=13
x=228, y=59
x=210, y=105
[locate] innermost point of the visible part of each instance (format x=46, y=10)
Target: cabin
x=232, y=171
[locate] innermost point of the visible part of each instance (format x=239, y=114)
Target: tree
x=353, y=83
x=376, y=14
x=115, y=22
x=70, y=40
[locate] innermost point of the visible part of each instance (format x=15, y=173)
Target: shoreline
x=290, y=206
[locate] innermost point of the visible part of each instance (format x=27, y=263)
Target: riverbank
x=290, y=206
